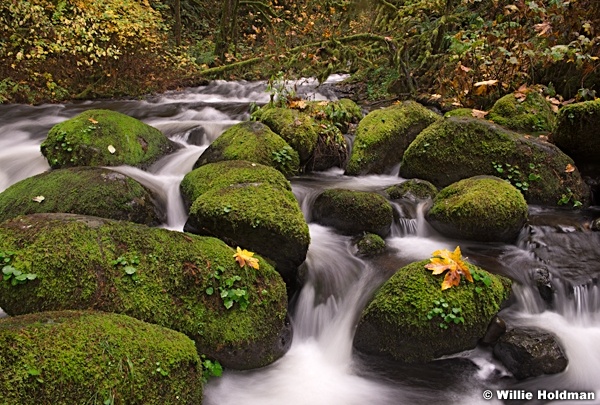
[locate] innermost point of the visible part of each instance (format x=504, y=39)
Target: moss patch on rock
x=577, y=132
x=529, y=112
x=254, y=142
x=459, y=148
x=353, y=212
x=85, y=140
x=80, y=263
x=73, y=357
x=258, y=216
x=370, y=245
x=413, y=189
x=226, y=173
x=82, y=190
x=459, y=112
x=339, y=113
x=395, y=322
x=481, y=208
x=298, y=129
x=383, y=135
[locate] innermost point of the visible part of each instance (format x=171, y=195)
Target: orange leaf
x=93, y=121
x=244, y=257
x=444, y=260
x=451, y=279
x=478, y=113
x=570, y=168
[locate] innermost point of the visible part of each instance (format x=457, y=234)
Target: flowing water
x=321, y=367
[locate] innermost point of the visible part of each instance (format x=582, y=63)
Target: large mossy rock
x=395, y=323
x=298, y=129
x=251, y=208
x=86, y=140
x=254, y=142
x=82, y=190
x=578, y=134
x=85, y=357
x=353, y=212
x=481, y=208
x=412, y=189
x=383, y=135
x=459, y=148
x=225, y=173
x=152, y=274
x=528, y=112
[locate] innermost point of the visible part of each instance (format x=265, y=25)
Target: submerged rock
x=459, y=148
x=481, y=208
x=530, y=352
x=413, y=189
x=383, y=135
x=104, y=138
x=82, y=190
x=254, y=142
x=528, y=111
x=251, y=208
x=159, y=276
x=412, y=320
x=74, y=357
x=352, y=212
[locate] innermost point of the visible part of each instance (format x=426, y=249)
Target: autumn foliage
x=451, y=263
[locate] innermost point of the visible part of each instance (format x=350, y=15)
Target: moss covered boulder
x=481, y=208
x=104, y=138
x=255, y=142
x=578, y=134
x=298, y=129
x=85, y=357
x=413, y=189
x=159, y=276
x=352, y=212
x=253, y=209
x=527, y=111
x=406, y=317
x=383, y=135
x=369, y=245
x=459, y=148
x=226, y=173
x=82, y=190
x=341, y=113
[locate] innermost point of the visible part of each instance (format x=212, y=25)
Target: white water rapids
x=321, y=367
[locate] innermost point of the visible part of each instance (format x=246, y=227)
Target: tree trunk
x=226, y=28
x=178, y=22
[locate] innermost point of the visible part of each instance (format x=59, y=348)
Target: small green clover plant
x=447, y=313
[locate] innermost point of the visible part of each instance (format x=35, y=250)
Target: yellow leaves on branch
x=244, y=257
x=444, y=260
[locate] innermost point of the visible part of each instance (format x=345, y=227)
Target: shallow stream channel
x=321, y=367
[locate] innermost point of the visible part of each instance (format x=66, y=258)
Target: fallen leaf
x=520, y=96
x=479, y=113
x=486, y=83
x=543, y=28
x=435, y=96
x=38, y=199
x=553, y=100
x=297, y=104
x=93, y=121
x=522, y=88
x=111, y=149
x=244, y=257
x=465, y=68
x=543, y=138
x=452, y=262
x=570, y=168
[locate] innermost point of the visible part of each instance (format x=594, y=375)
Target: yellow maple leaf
x=92, y=120
x=444, y=260
x=244, y=257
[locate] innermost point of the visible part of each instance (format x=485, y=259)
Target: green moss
x=86, y=357
x=226, y=173
x=395, y=322
x=370, y=245
x=383, y=135
x=298, y=129
x=353, y=212
x=339, y=113
x=86, y=190
x=577, y=131
x=479, y=208
x=533, y=113
x=412, y=189
x=85, y=139
x=459, y=148
x=72, y=257
x=253, y=142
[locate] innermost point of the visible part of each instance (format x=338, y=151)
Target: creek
x=321, y=367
